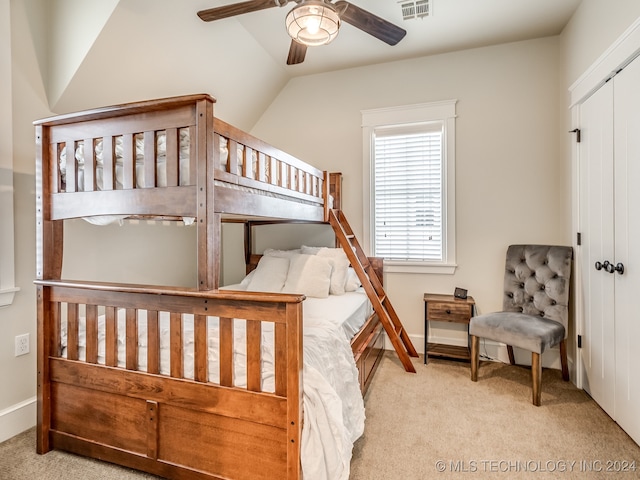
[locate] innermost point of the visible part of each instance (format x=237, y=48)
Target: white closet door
x=627, y=247
x=597, y=228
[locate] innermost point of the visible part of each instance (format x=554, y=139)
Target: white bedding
x=333, y=405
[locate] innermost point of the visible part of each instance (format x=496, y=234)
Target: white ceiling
x=453, y=25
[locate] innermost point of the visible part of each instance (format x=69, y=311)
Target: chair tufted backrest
x=536, y=281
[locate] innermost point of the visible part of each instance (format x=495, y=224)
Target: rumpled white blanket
x=333, y=405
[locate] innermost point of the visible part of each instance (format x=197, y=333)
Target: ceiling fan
x=313, y=22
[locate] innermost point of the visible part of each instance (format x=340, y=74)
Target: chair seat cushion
x=529, y=332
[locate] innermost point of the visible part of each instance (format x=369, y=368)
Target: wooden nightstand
x=446, y=308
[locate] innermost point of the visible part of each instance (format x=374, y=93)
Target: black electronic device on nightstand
x=460, y=293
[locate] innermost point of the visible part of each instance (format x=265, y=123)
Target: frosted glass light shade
x=313, y=23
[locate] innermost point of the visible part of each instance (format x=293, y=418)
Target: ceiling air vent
x=415, y=8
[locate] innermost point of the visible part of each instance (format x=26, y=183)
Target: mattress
x=349, y=311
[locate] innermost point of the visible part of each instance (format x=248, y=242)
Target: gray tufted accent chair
x=535, y=312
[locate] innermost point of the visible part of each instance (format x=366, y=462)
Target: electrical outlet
x=22, y=344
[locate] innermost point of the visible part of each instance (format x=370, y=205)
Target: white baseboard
x=17, y=418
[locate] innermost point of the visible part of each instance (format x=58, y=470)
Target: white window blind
x=409, y=186
x=408, y=192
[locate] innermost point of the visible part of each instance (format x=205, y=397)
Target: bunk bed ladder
x=373, y=287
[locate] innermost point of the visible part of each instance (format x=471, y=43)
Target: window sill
x=6, y=296
x=391, y=266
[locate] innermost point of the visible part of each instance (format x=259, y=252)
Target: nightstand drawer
x=449, y=312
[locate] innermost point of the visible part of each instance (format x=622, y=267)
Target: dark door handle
x=619, y=268
x=609, y=267
x=598, y=266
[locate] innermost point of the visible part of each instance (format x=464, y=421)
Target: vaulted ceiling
x=130, y=50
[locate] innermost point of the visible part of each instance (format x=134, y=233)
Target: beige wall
x=509, y=180
x=17, y=374
x=511, y=109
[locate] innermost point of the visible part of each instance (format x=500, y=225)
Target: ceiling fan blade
x=297, y=52
x=226, y=11
x=370, y=23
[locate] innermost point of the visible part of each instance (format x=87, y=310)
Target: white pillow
x=310, y=250
x=269, y=275
x=353, y=282
x=340, y=264
x=309, y=275
x=271, y=252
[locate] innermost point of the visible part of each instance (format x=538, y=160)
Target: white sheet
x=333, y=405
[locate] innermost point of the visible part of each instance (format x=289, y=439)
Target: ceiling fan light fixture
x=313, y=23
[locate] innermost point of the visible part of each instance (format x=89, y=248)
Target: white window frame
x=445, y=112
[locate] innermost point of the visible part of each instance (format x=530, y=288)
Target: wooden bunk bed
x=172, y=159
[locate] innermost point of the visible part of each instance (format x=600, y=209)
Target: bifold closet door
x=627, y=247
x=597, y=228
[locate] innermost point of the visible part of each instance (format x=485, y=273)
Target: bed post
x=49, y=243
x=294, y=389
x=335, y=189
x=208, y=221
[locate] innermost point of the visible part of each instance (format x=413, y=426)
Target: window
x=409, y=172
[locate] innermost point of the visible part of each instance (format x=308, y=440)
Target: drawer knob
x=448, y=312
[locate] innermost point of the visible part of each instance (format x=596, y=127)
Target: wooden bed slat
x=72, y=331
x=131, y=319
x=131, y=342
x=111, y=337
x=128, y=162
x=89, y=170
x=92, y=333
x=150, y=152
x=55, y=343
x=176, y=345
x=108, y=163
x=171, y=162
x=193, y=165
x=247, y=170
x=153, y=342
x=71, y=167
x=254, y=343
x=280, y=359
x=201, y=335
x=226, y=351
x=53, y=178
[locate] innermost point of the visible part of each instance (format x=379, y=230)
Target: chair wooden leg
x=512, y=358
x=563, y=361
x=475, y=357
x=536, y=376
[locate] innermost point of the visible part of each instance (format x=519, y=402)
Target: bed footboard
x=201, y=410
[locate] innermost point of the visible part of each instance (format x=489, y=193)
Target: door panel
x=596, y=226
x=627, y=247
